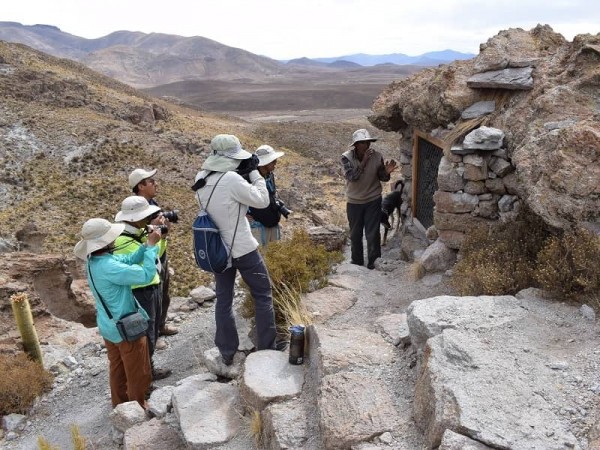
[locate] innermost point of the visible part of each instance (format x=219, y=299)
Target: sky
x=286, y=29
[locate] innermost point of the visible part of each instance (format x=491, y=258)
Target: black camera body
x=163, y=229
x=285, y=212
x=171, y=216
x=246, y=166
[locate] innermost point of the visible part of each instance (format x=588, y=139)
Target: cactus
x=24, y=319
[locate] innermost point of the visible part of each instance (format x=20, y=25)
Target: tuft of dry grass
x=22, y=381
x=417, y=271
x=77, y=439
x=43, y=444
x=256, y=428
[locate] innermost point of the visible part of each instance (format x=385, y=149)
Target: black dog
x=390, y=207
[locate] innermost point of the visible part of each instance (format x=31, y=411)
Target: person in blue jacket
x=111, y=276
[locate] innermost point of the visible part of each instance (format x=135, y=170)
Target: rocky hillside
x=69, y=137
x=551, y=121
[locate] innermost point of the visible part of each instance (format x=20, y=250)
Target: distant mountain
x=147, y=60
x=426, y=59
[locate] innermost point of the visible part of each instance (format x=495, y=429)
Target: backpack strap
x=208, y=201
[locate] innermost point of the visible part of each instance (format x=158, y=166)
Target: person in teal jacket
x=137, y=214
x=110, y=277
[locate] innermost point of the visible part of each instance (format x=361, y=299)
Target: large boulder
x=552, y=131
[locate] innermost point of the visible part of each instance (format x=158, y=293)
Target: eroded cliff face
x=552, y=127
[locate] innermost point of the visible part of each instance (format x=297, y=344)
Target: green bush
x=568, y=266
x=22, y=381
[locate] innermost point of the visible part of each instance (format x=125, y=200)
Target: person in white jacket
x=239, y=186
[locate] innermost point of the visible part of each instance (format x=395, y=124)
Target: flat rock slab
x=208, y=411
x=269, y=377
x=336, y=349
x=394, y=328
x=354, y=409
x=152, y=435
x=512, y=78
x=285, y=426
x=327, y=302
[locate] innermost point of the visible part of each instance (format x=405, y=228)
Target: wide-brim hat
x=97, y=234
x=135, y=208
x=361, y=135
x=139, y=175
x=267, y=154
x=229, y=146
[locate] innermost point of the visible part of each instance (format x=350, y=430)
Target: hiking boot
x=159, y=374
x=227, y=361
x=160, y=344
x=167, y=330
x=356, y=263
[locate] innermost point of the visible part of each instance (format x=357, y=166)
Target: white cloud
x=285, y=29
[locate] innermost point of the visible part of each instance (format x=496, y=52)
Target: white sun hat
x=97, y=234
x=139, y=175
x=361, y=135
x=229, y=146
x=267, y=154
x=135, y=208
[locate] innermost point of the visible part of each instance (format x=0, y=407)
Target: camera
x=163, y=229
x=285, y=212
x=171, y=216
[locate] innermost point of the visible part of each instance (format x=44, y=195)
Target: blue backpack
x=212, y=254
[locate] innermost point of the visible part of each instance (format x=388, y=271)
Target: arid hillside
x=69, y=137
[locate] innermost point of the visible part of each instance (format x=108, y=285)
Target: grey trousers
x=254, y=272
x=365, y=217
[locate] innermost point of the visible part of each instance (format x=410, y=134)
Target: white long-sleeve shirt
x=229, y=204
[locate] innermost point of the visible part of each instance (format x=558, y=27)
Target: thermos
x=296, y=344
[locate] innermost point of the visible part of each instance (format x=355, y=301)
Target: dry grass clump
x=499, y=260
x=295, y=266
x=22, y=381
x=417, y=271
x=568, y=266
x=256, y=428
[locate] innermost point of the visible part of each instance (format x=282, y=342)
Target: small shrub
x=294, y=265
x=22, y=381
x=501, y=259
x=567, y=266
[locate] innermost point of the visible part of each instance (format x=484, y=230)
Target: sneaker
x=159, y=374
x=281, y=345
x=371, y=266
x=167, y=330
x=356, y=263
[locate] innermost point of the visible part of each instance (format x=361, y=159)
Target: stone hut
x=516, y=126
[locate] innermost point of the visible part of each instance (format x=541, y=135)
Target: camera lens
x=171, y=216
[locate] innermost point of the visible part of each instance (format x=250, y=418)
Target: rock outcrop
x=549, y=114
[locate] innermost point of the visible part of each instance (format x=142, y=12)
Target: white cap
x=139, y=175
x=267, y=154
x=229, y=146
x=135, y=208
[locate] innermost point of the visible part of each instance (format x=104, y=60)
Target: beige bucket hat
x=97, y=233
x=361, y=135
x=229, y=146
x=135, y=208
x=267, y=154
x=139, y=175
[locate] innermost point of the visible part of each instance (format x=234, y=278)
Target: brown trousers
x=129, y=371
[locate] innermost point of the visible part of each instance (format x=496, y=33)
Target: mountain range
x=148, y=60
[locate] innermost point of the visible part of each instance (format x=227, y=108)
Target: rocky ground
x=81, y=395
